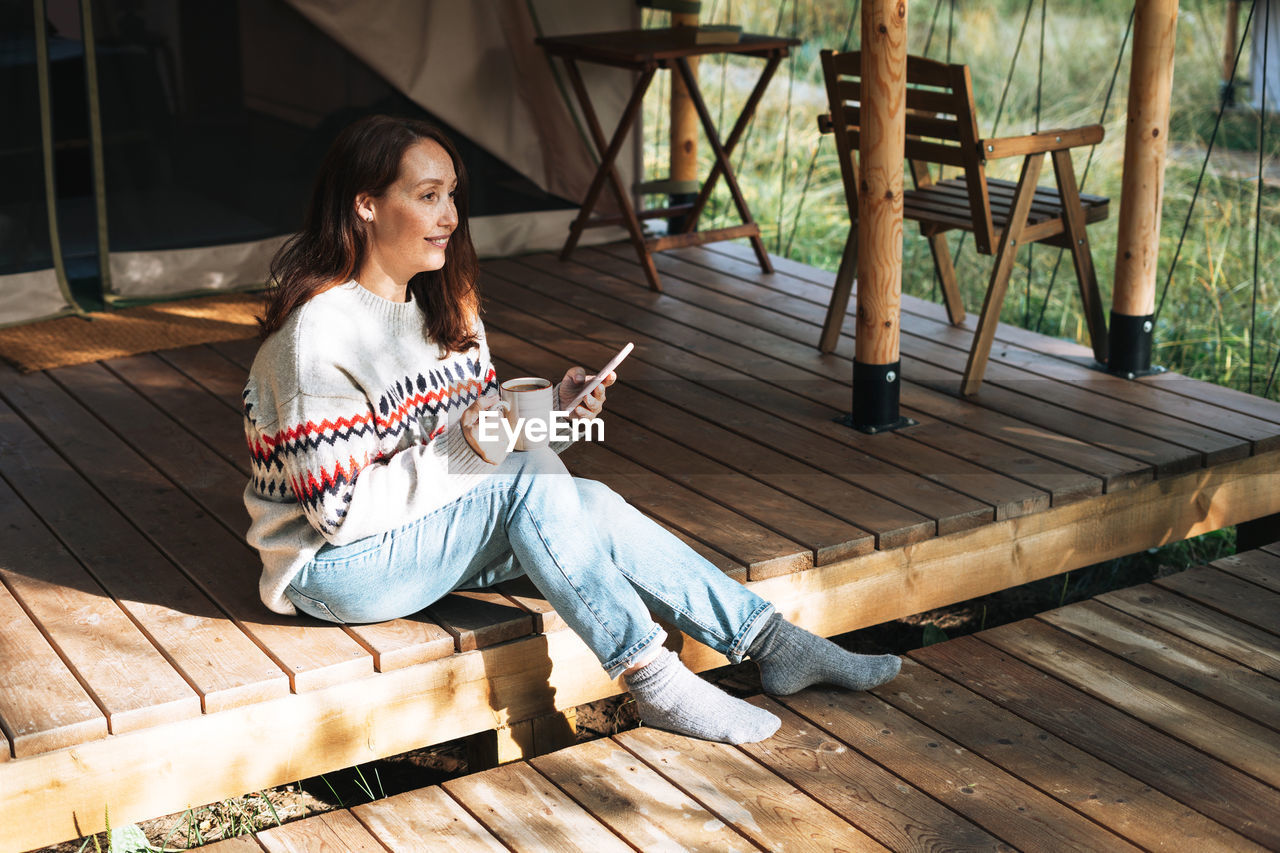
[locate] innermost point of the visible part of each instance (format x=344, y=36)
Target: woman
x=369, y=503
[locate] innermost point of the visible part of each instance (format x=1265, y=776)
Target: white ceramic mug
x=529, y=398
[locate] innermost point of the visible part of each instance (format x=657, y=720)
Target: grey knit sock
x=792, y=659
x=668, y=696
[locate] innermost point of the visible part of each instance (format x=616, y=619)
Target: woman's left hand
x=575, y=379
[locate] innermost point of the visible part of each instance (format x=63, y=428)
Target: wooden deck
x=141, y=672
x=1146, y=719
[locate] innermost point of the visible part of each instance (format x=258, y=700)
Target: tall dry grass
x=1212, y=313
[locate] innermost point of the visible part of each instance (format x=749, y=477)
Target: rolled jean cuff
x=628, y=657
x=750, y=628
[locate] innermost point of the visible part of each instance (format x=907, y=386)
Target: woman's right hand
x=494, y=450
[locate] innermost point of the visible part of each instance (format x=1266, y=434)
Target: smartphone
x=600, y=376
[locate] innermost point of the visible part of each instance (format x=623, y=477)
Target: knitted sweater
x=352, y=420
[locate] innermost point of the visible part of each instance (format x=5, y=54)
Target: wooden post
x=876, y=373
x=684, y=129
x=1142, y=188
x=1228, y=91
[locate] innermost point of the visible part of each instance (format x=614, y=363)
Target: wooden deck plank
x=1218, y=395
x=1257, y=567
x=477, y=620
x=1059, y=483
x=1253, y=647
x=1119, y=471
x=921, y=341
x=925, y=322
x=425, y=816
x=311, y=652
x=1008, y=496
x=214, y=368
x=1240, y=599
x=1261, y=435
x=714, y=429
x=763, y=493
x=637, y=803
x=218, y=486
x=208, y=418
x=133, y=684
x=331, y=832
x=398, y=643
x=1199, y=670
x=732, y=568
x=1116, y=471
x=155, y=435
x=223, y=665
x=523, y=592
x=1235, y=799
x=42, y=705
x=1172, y=447
x=1233, y=739
x=207, y=376
x=736, y=378
x=663, y=372
x=744, y=794
x=528, y=813
x=1001, y=804
x=810, y=318
x=1126, y=806
x=894, y=813
x=763, y=552
x=758, y=297
x=1164, y=458
x=941, y=372
x=739, y=259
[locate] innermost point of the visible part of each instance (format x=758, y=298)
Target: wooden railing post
x=684, y=128
x=1227, y=93
x=876, y=373
x=1142, y=188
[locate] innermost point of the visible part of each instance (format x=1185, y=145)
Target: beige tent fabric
x=27, y=296
x=206, y=269
x=476, y=67
x=473, y=64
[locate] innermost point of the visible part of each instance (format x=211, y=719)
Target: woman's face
x=409, y=225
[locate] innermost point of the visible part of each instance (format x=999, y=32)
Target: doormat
x=129, y=331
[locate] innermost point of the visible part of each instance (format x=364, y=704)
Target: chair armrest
x=824, y=123
x=1039, y=143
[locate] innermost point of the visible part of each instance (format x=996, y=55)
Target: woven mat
x=111, y=334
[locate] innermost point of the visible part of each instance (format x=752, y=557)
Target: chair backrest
x=940, y=124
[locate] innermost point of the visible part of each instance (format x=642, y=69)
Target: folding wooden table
x=646, y=51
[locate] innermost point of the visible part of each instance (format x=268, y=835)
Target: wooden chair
x=942, y=130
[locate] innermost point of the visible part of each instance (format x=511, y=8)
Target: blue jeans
x=601, y=563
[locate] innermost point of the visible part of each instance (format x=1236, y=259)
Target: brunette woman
x=369, y=502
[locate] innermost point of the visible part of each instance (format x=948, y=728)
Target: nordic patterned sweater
x=352, y=422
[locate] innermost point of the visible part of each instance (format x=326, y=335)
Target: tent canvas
x=208, y=122
x=32, y=282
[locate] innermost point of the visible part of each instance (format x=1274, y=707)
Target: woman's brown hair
x=330, y=248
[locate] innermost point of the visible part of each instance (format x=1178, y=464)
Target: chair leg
x=840, y=296
x=947, y=275
x=1081, y=254
x=976, y=367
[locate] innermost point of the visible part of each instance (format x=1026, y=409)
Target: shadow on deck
x=133, y=637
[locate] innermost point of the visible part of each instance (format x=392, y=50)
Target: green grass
x=1208, y=320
